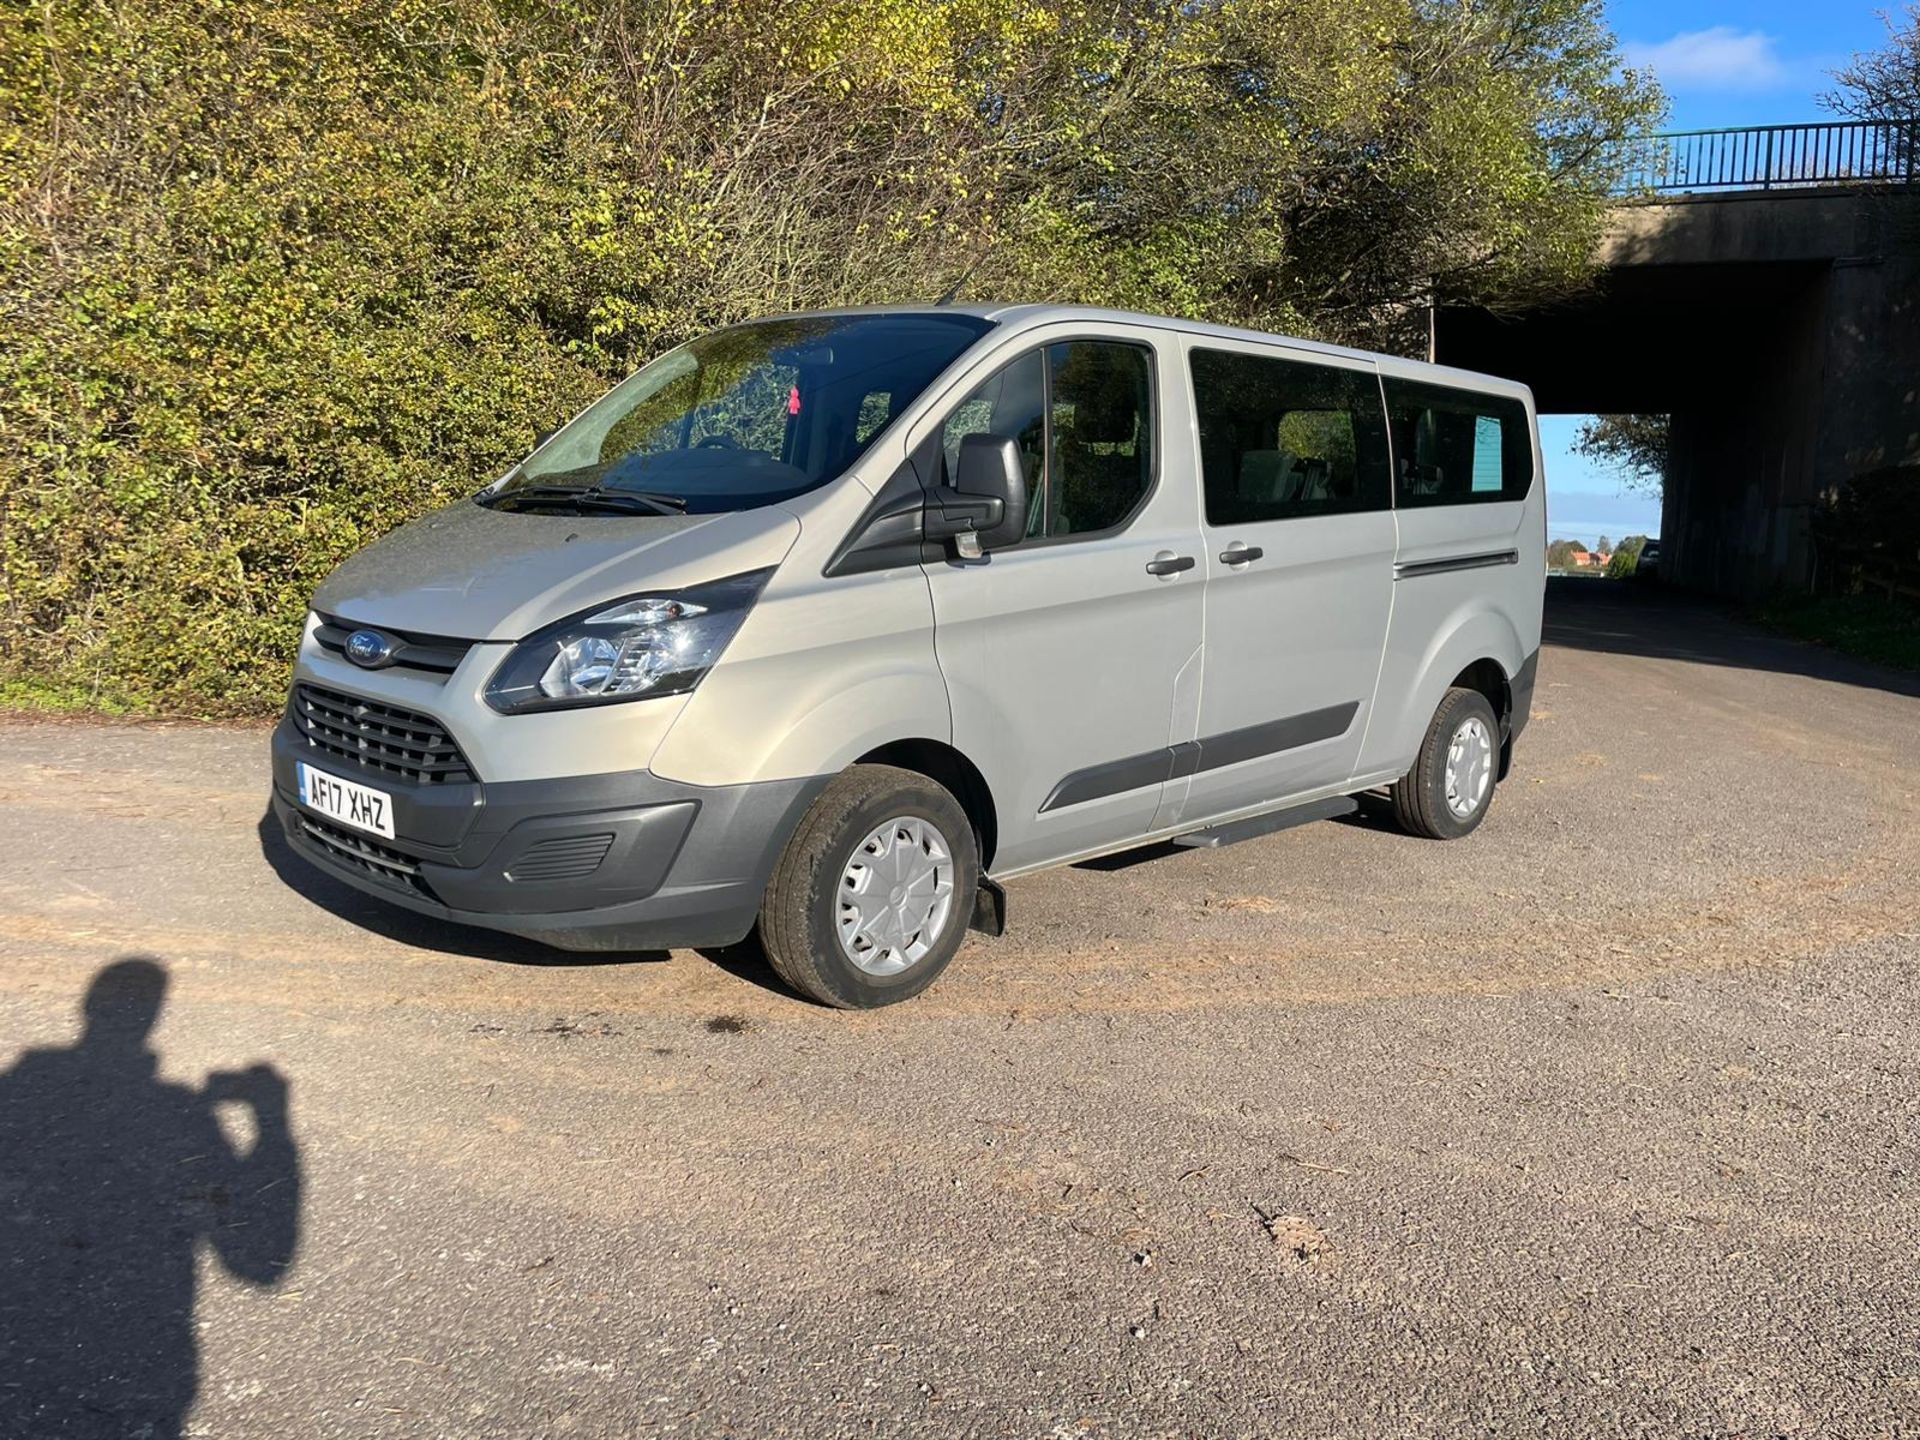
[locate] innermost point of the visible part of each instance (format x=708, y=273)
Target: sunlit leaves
x=275, y=277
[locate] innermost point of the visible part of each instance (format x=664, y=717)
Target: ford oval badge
x=369, y=649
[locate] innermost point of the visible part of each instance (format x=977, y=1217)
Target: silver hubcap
x=896, y=896
x=1469, y=767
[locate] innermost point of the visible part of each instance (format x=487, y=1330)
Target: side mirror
x=987, y=507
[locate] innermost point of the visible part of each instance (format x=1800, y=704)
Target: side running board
x=1255, y=826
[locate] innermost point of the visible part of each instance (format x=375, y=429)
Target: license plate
x=360, y=806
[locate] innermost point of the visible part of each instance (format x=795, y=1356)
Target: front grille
x=565, y=857
x=382, y=862
x=438, y=655
x=380, y=737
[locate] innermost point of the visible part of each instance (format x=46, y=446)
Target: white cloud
x=1721, y=58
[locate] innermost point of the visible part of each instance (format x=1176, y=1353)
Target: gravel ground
x=1598, y=1123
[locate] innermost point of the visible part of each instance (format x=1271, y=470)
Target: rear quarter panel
x=1442, y=623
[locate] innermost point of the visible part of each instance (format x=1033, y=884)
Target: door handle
x=1238, y=554
x=1168, y=563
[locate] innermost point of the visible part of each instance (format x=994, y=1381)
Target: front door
x=1298, y=537
x=1065, y=655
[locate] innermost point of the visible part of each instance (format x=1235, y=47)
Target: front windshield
x=742, y=417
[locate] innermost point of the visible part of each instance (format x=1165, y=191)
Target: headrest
x=1106, y=396
x=1264, y=473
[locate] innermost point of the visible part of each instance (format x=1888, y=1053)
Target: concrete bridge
x=1763, y=288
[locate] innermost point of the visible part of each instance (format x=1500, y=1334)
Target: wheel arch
x=959, y=776
x=1477, y=647
x=1490, y=678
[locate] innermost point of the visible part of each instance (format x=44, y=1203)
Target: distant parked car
x=1648, y=567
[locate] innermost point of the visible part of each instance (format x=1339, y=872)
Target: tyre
x=871, y=898
x=1450, y=788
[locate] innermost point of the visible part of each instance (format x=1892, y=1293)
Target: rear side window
x=1287, y=439
x=1457, y=447
x=1082, y=412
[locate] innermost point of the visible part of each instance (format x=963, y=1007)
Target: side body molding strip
x=1413, y=569
x=1111, y=777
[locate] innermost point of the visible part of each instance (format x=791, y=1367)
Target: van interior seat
x=1316, y=480
x=1102, y=465
x=1268, y=476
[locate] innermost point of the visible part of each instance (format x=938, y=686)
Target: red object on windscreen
x=793, y=401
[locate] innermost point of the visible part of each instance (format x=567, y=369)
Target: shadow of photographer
x=111, y=1181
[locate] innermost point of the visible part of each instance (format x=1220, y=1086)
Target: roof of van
x=1028, y=315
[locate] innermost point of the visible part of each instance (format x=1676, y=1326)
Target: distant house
x=1602, y=559
x=1578, y=558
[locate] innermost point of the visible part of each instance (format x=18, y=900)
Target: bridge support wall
x=1780, y=329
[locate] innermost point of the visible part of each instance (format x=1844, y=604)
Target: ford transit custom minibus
x=826, y=625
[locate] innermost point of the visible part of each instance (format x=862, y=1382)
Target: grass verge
x=1866, y=626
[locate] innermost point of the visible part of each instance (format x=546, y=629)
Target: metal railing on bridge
x=1775, y=157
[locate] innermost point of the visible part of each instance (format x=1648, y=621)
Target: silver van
x=829, y=624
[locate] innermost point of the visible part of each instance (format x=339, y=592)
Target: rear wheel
x=1448, y=791
x=870, y=900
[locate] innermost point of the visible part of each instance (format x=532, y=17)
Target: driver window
x=1082, y=412
x=1012, y=401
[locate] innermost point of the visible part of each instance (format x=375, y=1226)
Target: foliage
x=1633, y=446
x=277, y=276
x=1867, y=531
x=1871, y=627
x=1626, y=557
x=1561, y=552
x=1883, y=84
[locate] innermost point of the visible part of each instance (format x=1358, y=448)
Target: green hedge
x=277, y=277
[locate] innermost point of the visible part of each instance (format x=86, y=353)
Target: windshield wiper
x=591, y=497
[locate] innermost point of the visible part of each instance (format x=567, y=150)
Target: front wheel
x=1447, y=792
x=870, y=900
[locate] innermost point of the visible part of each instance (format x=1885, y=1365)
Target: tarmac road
x=1600, y=1122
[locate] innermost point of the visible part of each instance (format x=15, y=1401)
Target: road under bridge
x=1763, y=289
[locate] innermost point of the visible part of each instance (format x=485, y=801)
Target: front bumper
x=591, y=862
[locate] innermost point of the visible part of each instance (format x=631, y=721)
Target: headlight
x=639, y=647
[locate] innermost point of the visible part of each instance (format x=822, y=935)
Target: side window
x=1083, y=414
x=1287, y=439
x=1457, y=447
x=1011, y=401
x=1100, y=444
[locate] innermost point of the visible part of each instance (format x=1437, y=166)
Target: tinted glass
x=1012, y=401
x=1100, y=445
x=754, y=414
x=1457, y=447
x=1287, y=439
x=1083, y=414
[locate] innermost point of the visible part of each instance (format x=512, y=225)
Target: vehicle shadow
x=422, y=932
x=112, y=1182
x=1657, y=622
x=746, y=960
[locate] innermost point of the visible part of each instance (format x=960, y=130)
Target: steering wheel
x=717, y=441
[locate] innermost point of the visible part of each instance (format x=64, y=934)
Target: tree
x=1633, y=446
x=1561, y=552
x=277, y=277
x=1603, y=546
x=1884, y=84
x=1626, y=557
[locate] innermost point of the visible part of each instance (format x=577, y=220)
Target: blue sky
x=1722, y=65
